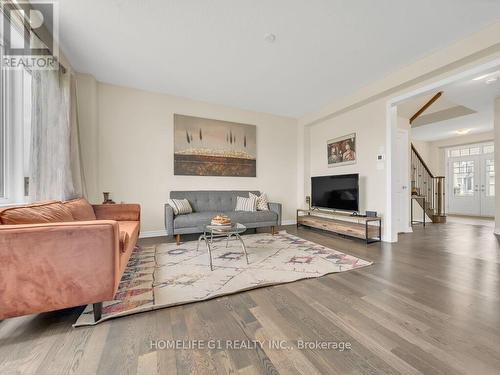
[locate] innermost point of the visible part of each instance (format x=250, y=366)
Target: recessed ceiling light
x=271, y=38
x=463, y=131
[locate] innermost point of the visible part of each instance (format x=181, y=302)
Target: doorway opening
x=451, y=166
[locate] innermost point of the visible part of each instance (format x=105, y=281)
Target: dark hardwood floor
x=430, y=304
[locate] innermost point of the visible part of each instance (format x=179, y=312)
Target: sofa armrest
x=52, y=266
x=118, y=212
x=169, y=220
x=276, y=207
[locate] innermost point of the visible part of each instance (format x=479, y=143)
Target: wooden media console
x=366, y=228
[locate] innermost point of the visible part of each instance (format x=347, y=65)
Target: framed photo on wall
x=342, y=150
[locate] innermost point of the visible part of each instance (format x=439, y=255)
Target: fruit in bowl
x=221, y=220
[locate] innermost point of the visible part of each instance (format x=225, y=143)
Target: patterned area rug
x=167, y=274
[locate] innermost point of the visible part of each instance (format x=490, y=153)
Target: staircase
x=425, y=185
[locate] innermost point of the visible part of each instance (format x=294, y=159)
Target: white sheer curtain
x=52, y=141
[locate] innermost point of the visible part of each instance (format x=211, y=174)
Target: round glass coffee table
x=209, y=232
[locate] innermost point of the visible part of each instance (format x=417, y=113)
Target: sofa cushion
x=194, y=220
x=37, y=213
x=243, y=217
x=197, y=219
x=80, y=209
x=211, y=200
x=118, y=212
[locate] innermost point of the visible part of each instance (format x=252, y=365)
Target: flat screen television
x=339, y=192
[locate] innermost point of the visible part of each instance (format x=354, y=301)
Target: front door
x=463, y=177
x=471, y=180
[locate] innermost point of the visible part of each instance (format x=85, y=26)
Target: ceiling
x=411, y=106
x=216, y=50
x=475, y=96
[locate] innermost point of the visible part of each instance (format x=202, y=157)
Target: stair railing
x=425, y=184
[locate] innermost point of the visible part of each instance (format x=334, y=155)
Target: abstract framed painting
x=206, y=147
x=342, y=150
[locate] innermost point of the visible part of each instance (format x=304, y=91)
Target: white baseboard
x=153, y=233
x=161, y=233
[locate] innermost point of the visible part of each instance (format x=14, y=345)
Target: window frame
x=3, y=143
x=461, y=149
x=12, y=127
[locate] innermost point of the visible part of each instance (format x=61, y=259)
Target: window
x=474, y=150
x=27, y=108
x=15, y=126
x=488, y=149
x=15, y=132
x=463, y=178
x=3, y=144
x=471, y=150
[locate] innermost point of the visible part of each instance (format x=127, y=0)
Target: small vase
x=107, y=199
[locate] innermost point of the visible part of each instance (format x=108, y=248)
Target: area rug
x=167, y=275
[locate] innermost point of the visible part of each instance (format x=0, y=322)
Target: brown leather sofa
x=55, y=255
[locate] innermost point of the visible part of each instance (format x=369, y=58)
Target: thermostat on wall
x=380, y=162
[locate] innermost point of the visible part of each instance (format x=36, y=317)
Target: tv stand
x=366, y=228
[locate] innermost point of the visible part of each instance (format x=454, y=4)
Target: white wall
x=366, y=113
x=369, y=142
x=497, y=162
x=135, y=151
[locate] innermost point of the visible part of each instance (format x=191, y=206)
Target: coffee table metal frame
x=208, y=234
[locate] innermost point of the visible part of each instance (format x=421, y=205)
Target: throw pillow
x=80, y=209
x=36, y=213
x=180, y=206
x=262, y=203
x=246, y=204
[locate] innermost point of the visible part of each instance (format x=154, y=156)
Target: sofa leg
x=178, y=239
x=273, y=230
x=97, y=307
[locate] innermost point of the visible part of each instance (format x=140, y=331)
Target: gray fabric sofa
x=207, y=204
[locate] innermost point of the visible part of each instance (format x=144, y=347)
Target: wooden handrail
x=421, y=160
x=426, y=106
